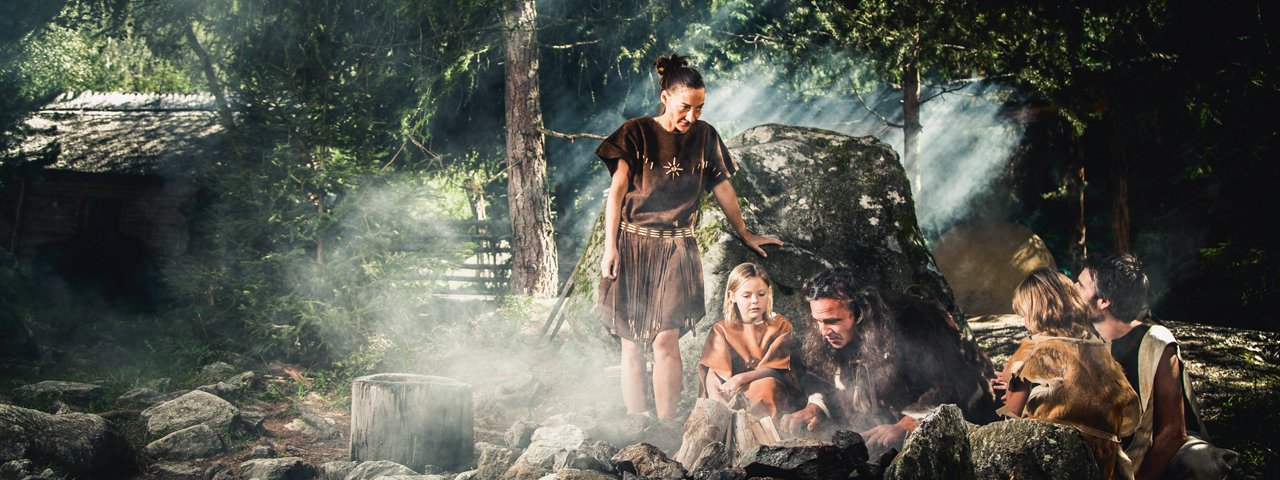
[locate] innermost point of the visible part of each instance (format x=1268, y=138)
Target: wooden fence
x=488, y=270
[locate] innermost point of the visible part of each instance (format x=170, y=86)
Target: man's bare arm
x=1170, y=429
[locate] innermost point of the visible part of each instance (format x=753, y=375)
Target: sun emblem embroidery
x=673, y=168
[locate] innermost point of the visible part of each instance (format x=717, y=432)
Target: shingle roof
x=130, y=133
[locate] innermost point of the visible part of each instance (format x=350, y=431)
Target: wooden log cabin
x=120, y=186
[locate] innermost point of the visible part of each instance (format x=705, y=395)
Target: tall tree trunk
x=211, y=75
x=533, y=247
x=1120, y=199
x=911, y=126
x=1075, y=194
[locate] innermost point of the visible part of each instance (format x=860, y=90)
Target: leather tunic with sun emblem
x=659, y=283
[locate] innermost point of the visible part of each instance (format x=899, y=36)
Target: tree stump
x=413, y=420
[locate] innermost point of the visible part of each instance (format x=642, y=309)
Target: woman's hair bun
x=674, y=73
x=667, y=63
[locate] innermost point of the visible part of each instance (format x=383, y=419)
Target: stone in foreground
x=803, y=458
x=79, y=444
x=197, y=441
x=194, y=408
x=1031, y=450
x=938, y=448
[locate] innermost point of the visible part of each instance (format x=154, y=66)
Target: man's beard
x=1095, y=313
x=823, y=357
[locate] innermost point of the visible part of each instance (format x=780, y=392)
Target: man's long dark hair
x=873, y=339
x=910, y=348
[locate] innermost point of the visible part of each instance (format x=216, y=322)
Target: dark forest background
x=1140, y=126
x=357, y=135
x=352, y=128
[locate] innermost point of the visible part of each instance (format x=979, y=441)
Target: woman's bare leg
x=666, y=372
x=633, y=377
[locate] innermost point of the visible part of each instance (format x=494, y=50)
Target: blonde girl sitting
x=748, y=351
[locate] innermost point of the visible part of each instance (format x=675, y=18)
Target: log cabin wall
x=63, y=205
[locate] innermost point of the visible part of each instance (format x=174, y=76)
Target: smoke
x=393, y=309
x=965, y=142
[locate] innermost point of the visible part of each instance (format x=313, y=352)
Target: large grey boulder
x=194, y=408
x=197, y=441
x=79, y=444
x=1031, y=450
x=74, y=393
x=938, y=448
x=288, y=468
x=835, y=200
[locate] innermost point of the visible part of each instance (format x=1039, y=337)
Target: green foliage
x=127, y=64
x=303, y=285
x=34, y=69
x=944, y=39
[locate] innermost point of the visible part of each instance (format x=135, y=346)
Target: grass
x=1247, y=425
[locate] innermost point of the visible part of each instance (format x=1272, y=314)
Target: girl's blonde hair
x=1052, y=306
x=740, y=275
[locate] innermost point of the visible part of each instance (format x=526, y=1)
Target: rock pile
x=185, y=431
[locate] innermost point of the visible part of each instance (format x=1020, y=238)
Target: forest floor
x=519, y=376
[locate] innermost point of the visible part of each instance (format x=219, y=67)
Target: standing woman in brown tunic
x=652, y=287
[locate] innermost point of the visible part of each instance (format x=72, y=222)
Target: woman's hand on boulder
x=756, y=242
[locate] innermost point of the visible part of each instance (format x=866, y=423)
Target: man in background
x=1170, y=441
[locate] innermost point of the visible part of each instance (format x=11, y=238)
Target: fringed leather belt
x=657, y=233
